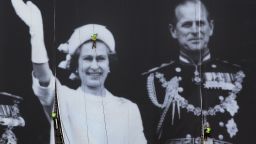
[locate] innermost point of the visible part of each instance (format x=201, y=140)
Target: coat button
x=188, y=136
x=178, y=69
x=180, y=89
x=213, y=65
x=220, y=137
x=221, y=124
x=221, y=98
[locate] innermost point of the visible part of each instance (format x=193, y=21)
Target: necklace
x=86, y=117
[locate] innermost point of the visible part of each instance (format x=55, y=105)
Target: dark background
x=140, y=28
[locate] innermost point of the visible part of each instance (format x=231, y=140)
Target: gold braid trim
x=152, y=92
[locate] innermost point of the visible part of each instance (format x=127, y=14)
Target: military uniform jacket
x=189, y=97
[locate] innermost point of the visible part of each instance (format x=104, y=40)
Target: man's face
x=93, y=64
x=192, y=29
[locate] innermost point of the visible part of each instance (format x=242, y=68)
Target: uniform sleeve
x=136, y=128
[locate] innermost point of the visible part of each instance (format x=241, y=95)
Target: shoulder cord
x=170, y=98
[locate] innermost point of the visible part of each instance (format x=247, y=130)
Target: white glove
x=31, y=15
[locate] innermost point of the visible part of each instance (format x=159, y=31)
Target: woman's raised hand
x=31, y=15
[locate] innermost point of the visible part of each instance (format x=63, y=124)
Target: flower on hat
x=94, y=37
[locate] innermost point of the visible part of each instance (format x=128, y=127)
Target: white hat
x=83, y=34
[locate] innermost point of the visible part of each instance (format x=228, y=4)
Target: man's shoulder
x=161, y=67
x=224, y=65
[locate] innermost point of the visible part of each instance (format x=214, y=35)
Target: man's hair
x=175, y=3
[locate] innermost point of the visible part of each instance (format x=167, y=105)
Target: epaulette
x=157, y=68
x=230, y=63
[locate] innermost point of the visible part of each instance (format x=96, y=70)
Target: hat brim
x=9, y=99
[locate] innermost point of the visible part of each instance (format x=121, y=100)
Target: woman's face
x=93, y=64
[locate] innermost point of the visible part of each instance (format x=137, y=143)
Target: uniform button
x=188, y=136
x=180, y=89
x=179, y=78
x=220, y=137
x=214, y=66
x=178, y=69
x=221, y=98
x=221, y=124
x=164, y=84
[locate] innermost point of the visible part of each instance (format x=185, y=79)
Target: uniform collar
x=185, y=59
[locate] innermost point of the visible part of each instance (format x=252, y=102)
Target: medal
x=197, y=78
x=207, y=130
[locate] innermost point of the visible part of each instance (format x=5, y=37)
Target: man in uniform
x=199, y=98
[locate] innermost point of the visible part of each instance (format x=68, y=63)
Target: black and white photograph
x=127, y=71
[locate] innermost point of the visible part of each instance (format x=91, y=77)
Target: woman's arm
x=43, y=73
x=31, y=16
x=43, y=80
